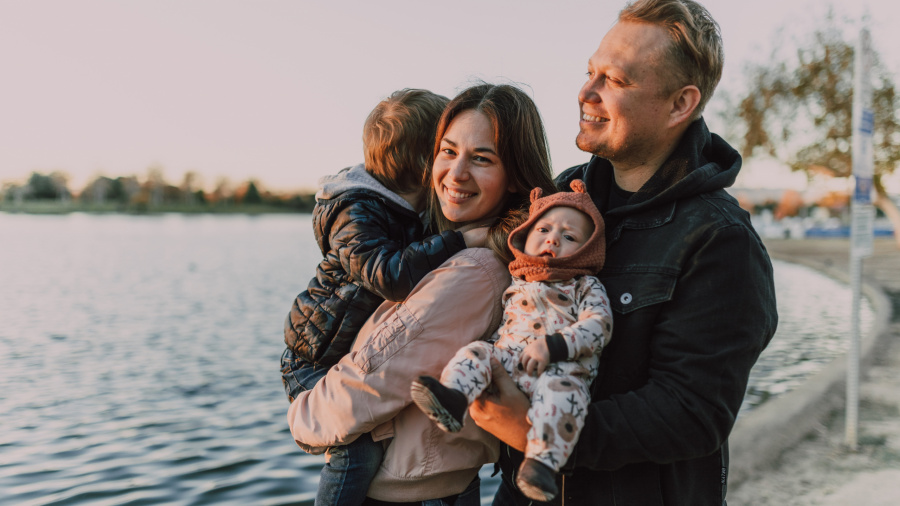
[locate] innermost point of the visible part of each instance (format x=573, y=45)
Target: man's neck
x=632, y=178
x=632, y=174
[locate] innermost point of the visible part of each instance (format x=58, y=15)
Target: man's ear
x=684, y=103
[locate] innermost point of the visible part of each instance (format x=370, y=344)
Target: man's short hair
x=398, y=138
x=695, y=55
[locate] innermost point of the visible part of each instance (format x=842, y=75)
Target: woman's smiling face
x=468, y=176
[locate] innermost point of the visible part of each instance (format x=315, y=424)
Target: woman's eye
x=482, y=159
x=447, y=151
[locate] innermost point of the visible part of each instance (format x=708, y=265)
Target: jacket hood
x=355, y=179
x=586, y=260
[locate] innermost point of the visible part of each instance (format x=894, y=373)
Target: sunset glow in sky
x=278, y=90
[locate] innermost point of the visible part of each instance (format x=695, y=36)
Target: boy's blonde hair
x=398, y=138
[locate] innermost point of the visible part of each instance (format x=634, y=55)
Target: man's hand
x=503, y=409
x=535, y=357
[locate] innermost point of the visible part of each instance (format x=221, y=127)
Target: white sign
x=862, y=230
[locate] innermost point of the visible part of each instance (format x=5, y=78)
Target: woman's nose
x=459, y=170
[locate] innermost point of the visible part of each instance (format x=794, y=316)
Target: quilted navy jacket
x=373, y=249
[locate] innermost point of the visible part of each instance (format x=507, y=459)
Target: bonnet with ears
x=587, y=260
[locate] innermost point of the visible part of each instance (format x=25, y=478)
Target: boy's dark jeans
x=349, y=468
x=298, y=375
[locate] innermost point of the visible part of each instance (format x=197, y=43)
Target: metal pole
x=852, y=412
x=861, y=217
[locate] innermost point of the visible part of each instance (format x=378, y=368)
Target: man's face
x=624, y=113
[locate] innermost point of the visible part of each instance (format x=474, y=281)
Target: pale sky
x=278, y=90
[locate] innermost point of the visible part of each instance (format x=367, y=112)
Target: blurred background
x=157, y=164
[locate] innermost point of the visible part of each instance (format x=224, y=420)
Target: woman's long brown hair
x=522, y=147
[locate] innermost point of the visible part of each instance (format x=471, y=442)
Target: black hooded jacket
x=373, y=248
x=693, y=300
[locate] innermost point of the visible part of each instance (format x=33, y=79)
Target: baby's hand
x=475, y=237
x=535, y=357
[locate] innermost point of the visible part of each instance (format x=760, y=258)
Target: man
x=689, y=280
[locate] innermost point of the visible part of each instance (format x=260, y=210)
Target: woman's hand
x=503, y=409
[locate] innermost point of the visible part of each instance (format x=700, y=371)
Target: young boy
x=556, y=321
x=368, y=226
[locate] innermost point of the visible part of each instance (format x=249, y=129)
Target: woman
x=491, y=151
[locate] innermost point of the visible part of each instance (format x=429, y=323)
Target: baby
x=556, y=320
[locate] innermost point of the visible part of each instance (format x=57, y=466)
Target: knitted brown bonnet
x=588, y=259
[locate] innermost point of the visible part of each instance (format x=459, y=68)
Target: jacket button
x=625, y=298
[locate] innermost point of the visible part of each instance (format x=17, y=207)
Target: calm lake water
x=139, y=357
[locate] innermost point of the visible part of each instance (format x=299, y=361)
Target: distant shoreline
x=56, y=207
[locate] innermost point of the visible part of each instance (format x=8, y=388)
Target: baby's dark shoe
x=536, y=480
x=445, y=406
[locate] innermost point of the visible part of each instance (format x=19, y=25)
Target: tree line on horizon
x=150, y=194
x=796, y=108
x=154, y=194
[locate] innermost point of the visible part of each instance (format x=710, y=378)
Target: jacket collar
x=701, y=162
x=356, y=179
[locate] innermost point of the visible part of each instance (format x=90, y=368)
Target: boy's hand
x=475, y=236
x=535, y=357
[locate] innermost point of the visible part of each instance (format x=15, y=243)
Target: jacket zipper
x=562, y=501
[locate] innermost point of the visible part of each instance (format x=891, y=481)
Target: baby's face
x=559, y=232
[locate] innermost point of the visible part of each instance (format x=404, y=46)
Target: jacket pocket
x=397, y=330
x=639, y=287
